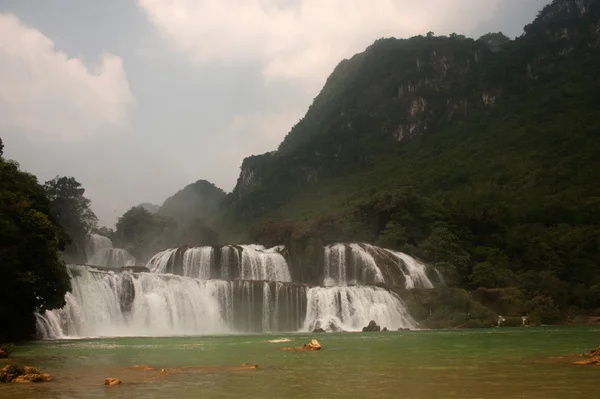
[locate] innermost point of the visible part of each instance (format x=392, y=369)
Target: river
x=491, y=363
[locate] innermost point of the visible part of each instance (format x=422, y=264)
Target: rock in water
x=22, y=374
x=384, y=329
x=592, y=358
x=318, y=330
x=372, y=327
x=313, y=346
x=112, y=381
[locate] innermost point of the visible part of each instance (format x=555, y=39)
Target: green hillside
x=482, y=156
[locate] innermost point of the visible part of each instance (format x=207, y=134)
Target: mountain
x=481, y=156
x=198, y=200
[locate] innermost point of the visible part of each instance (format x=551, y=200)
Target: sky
x=138, y=98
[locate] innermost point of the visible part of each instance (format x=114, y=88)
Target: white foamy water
x=105, y=304
x=100, y=252
x=352, y=308
x=124, y=304
x=362, y=268
x=260, y=263
x=245, y=262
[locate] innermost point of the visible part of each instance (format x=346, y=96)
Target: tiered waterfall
x=236, y=289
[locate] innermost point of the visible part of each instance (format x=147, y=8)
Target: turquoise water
x=498, y=363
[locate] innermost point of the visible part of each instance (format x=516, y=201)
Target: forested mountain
x=482, y=156
x=195, y=201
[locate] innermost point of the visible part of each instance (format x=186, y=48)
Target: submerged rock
x=22, y=374
x=313, y=346
x=112, y=381
x=592, y=358
x=372, y=327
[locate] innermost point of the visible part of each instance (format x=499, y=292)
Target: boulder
x=372, y=327
x=22, y=374
x=384, y=329
x=112, y=381
x=318, y=330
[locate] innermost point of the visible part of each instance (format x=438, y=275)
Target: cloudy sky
x=138, y=98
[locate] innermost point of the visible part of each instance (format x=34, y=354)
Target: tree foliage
x=73, y=211
x=33, y=277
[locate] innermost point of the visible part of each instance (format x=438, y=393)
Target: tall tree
x=72, y=210
x=32, y=275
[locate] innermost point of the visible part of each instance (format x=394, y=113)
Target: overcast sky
x=138, y=98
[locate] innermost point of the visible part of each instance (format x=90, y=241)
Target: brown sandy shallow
x=581, y=359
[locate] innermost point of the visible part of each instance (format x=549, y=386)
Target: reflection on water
x=508, y=363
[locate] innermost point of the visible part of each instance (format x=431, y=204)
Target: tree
x=32, y=275
x=430, y=34
x=143, y=233
x=495, y=41
x=72, y=210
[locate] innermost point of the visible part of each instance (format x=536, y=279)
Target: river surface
x=495, y=363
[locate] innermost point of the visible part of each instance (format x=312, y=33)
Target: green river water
x=495, y=363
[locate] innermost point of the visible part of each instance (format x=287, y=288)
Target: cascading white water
x=159, y=262
x=100, y=252
x=182, y=296
x=352, y=308
x=259, y=263
x=335, y=265
x=245, y=262
x=416, y=276
x=143, y=304
x=362, y=267
x=197, y=262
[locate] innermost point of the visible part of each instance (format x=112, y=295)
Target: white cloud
x=304, y=39
x=42, y=90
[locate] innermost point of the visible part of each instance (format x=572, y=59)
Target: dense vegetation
x=196, y=201
x=143, y=233
x=479, y=156
x=73, y=212
x=33, y=276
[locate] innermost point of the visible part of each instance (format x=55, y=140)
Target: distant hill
x=196, y=201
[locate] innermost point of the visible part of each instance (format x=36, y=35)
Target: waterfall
x=100, y=252
x=197, y=262
x=365, y=264
x=416, y=275
x=234, y=289
x=147, y=304
x=352, y=308
x=259, y=263
x=245, y=262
